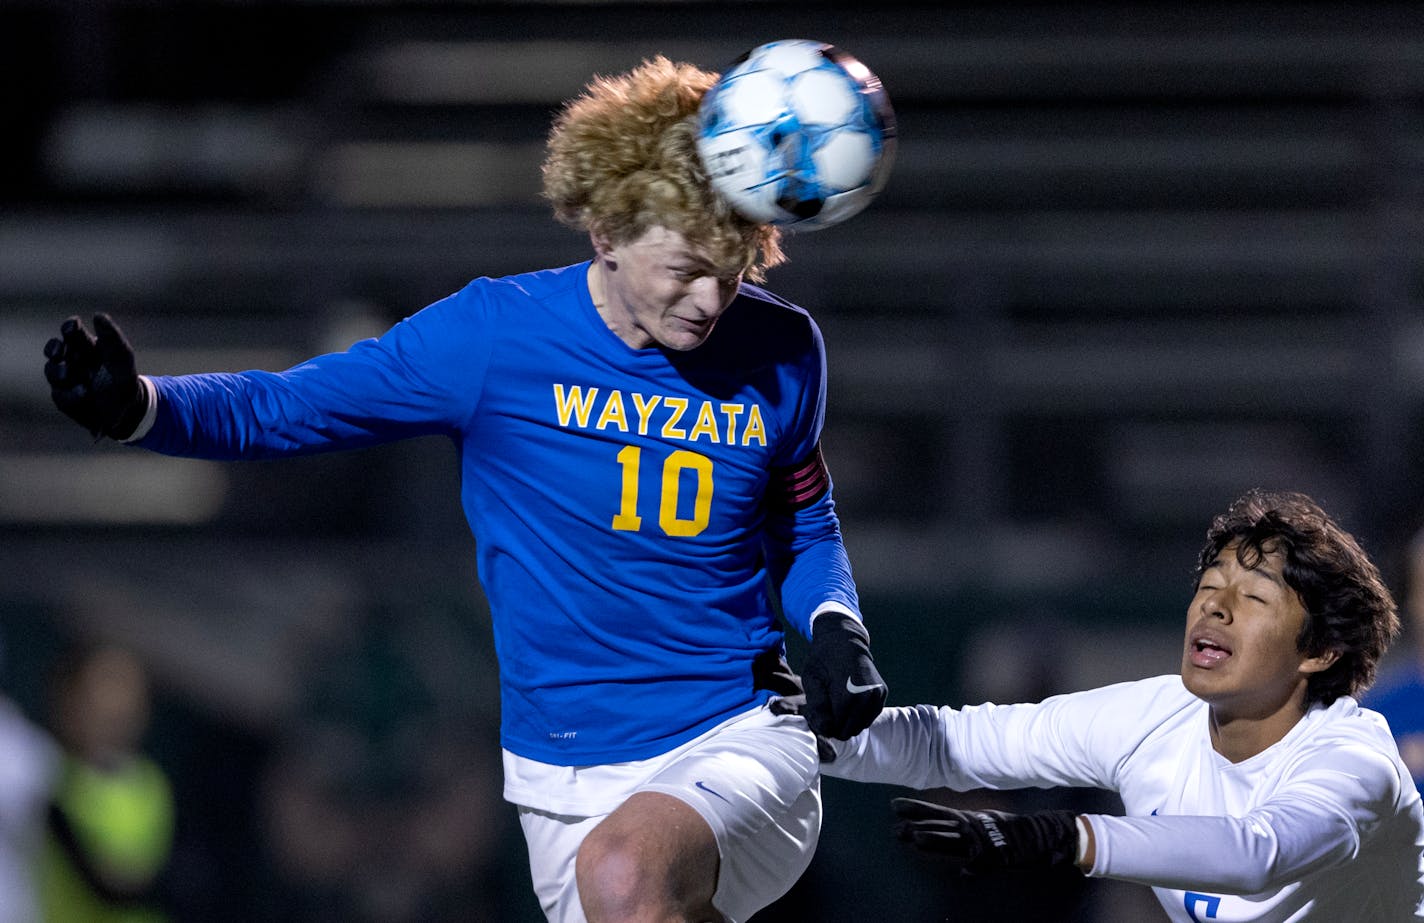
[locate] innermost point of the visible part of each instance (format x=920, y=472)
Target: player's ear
x=1322, y=661
x=602, y=246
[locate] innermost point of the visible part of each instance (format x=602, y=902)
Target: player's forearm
x=815, y=579
x=901, y=747
x=338, y=401
x=1227, y=855
x=809, y=563
x=228, y=416
x=981, y=746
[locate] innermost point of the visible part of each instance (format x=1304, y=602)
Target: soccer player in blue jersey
x=639, y=449
x=1255, y=786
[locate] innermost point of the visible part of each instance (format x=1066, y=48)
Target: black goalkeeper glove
x=93, y=378
x=987, y=841
x=844, y=691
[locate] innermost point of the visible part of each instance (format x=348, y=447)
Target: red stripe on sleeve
x=801, y=484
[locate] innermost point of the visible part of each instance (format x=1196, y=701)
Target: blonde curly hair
x=622, y=158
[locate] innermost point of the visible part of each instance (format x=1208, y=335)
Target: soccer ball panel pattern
x=797, y=134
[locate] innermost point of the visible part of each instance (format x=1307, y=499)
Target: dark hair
x=1348, y=608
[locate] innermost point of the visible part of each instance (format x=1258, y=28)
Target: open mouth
x=1207, y=652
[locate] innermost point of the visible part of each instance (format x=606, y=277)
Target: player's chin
x=1204, y=684
x=686, y=336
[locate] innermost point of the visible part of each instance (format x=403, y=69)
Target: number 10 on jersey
x=630, y=461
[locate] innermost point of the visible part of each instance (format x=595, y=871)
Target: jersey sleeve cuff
x=831, y=605
x=150, y=415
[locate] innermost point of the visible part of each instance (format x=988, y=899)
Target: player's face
x=659, y=290
x=1241, y=655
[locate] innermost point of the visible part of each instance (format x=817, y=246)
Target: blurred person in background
x=1399, y=694
x=381, y=801
x=639, y=444
x=29, y=760
x=111, y=817
x=1255, y=787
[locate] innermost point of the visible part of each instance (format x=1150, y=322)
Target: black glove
x=796, y=705
x=771, y=671
x=93, y=380
x=844, y=691
x=986, y=841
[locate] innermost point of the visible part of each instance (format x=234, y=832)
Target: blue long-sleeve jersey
x=628, y=506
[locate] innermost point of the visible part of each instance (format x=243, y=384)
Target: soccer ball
x=798, y=134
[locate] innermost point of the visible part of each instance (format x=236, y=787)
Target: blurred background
x=1131, y=261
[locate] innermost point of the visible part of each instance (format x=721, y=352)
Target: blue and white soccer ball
x=797, y=134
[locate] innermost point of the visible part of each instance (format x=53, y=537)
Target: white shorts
x=754, y=779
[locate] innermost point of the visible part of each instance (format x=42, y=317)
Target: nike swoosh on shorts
x=703, y=785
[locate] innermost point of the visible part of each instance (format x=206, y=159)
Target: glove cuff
x=148, y=399
x=830, y=621
x=134, y=414
x=1057, y=832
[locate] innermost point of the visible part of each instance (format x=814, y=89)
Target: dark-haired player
x=1255, y=787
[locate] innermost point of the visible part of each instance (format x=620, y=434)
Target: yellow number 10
x=630, y=459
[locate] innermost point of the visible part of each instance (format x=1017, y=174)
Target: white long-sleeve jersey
x=1324, y=825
